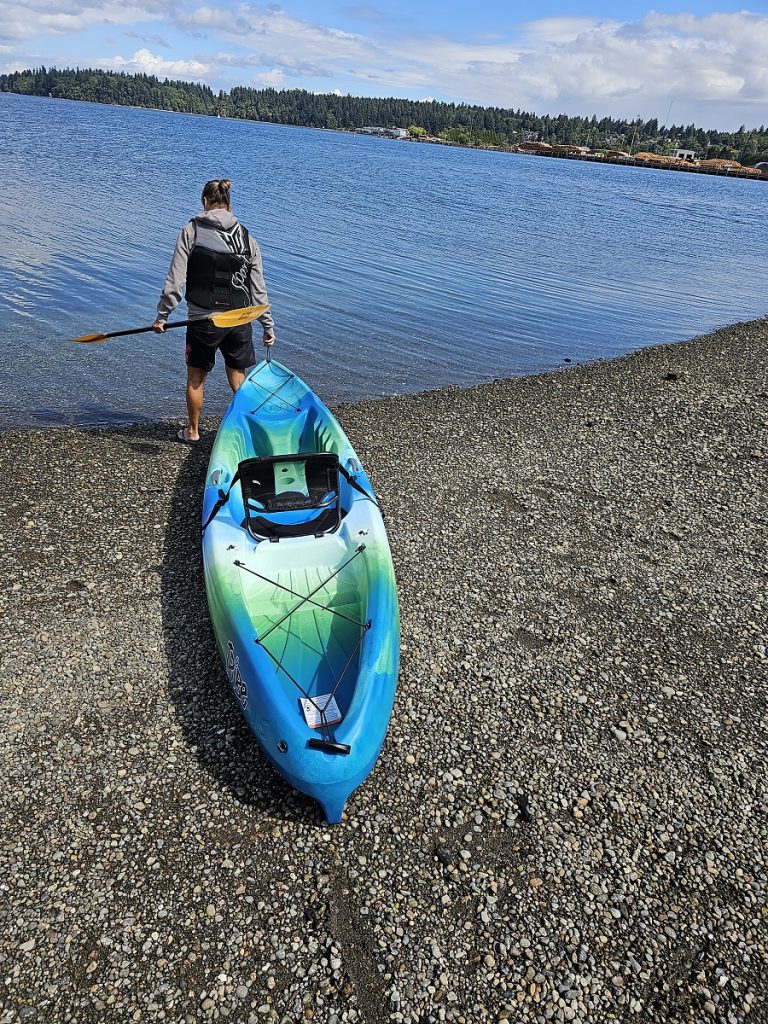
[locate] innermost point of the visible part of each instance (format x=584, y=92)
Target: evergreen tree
x=466, y=124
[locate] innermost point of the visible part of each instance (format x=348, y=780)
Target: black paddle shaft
x=145, y=330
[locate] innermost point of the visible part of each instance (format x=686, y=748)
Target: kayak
x=300, y=586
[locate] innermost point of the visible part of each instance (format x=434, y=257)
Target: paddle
x=230, y=318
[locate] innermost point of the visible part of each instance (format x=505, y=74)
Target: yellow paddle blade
x=91, y=339
x=235, y=317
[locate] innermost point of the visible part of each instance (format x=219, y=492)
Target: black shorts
x=236, y=344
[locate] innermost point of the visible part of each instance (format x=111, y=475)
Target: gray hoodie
x=177, y=272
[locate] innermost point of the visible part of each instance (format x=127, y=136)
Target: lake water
x=391, y=266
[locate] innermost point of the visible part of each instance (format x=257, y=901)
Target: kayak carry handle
x=329, y=746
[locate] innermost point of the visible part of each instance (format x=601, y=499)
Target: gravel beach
x=569, y=818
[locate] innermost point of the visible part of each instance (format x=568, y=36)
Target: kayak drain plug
x=282, y=746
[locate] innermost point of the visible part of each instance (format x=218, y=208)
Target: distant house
x=389, y=133
x=763, y=167
x=684, y=154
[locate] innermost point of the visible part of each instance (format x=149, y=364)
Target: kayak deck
x=315, y=641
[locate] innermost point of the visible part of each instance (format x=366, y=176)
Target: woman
x=219, y=266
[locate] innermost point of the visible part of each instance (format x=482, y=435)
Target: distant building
x=684, y=154
x=763, y=168
x=390, y=133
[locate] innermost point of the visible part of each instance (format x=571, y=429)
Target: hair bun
x=216, y=192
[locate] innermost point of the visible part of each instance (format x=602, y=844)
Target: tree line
x=464, y=124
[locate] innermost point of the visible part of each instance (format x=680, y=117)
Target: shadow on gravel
x=213, y=726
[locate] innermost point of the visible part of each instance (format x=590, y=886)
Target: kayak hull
x=306, y=617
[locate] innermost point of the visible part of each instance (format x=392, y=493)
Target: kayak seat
x=291, y=495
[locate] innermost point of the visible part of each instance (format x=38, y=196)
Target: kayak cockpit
x=291, y=495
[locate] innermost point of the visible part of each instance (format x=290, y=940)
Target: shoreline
x=566, y=366
x=596, y=156
x=568, y=819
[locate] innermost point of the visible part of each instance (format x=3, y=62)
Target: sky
x=703, y=61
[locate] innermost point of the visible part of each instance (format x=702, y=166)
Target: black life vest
x=219, y=267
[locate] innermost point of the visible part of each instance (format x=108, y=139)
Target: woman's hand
x=269, y=339
x=158, y=326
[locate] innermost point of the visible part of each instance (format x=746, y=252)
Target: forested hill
x=469, y=125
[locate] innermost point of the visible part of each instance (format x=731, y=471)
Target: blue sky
x=707, y=59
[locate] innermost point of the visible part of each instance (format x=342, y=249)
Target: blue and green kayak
x=301, y=586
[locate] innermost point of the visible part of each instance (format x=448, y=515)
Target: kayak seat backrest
x=291, y=495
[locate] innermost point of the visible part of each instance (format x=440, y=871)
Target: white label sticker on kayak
x=325, y=703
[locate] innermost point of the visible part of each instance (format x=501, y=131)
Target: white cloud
x=713, y=67
x=274, y=78
x=574, y=65
x=144, y=62
x=38, y=17
x=558, y=31
x=691, y=60
x=272, y=30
